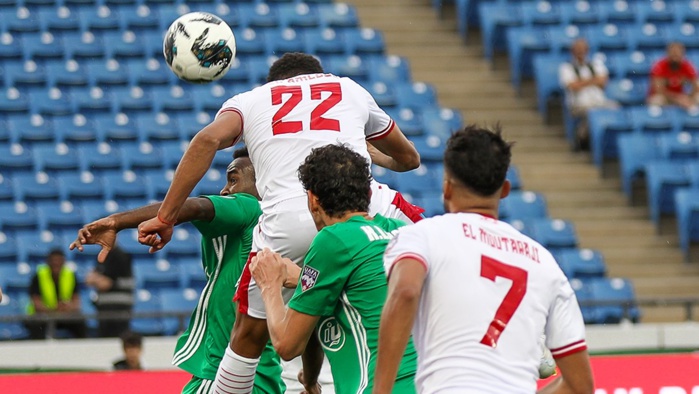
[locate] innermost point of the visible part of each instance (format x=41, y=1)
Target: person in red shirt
x=669, y=77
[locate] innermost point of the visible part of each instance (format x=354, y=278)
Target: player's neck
x=330, y=220
x=481, y=206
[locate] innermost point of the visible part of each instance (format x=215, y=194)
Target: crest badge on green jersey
x=331, y=335
x=309, y=276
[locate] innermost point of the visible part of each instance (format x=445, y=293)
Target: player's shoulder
x=388, y=224
x=244, y=200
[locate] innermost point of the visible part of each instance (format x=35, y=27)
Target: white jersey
x=489, y=294
x=284, y=120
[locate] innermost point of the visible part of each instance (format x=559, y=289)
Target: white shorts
x=288, y=229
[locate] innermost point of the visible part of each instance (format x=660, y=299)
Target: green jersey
x=343, y=281
x=226, y=242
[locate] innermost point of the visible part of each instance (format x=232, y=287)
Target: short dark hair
x=339, y=177
x=478, y=158
x=131, y=339
x=56, y=252
x=241, y=152
x=292, y=64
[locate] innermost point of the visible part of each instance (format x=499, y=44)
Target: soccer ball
x=199, y=47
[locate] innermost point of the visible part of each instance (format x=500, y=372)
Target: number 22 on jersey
x=294, y=96
x=491, y=269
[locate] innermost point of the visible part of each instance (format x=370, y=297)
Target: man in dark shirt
x=114, y=283
x=132, y=343
x=53, y=292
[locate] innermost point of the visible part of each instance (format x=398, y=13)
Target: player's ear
x=312, y=201
x=505, y=191
x=447, y=189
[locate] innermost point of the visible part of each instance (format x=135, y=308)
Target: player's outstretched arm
x=312, y=359
x=404, y=290
x=576, y=376
x=219, y=134
x=399, y=154
x=289, y=330
x=103, y=231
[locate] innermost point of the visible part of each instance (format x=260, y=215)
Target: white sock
x=236, y=374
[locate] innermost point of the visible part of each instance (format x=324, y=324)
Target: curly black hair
x=241, y=152
x=478, y=158
x=339, y=177
x=293, y=64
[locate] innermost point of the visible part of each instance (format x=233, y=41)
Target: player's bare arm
x=312, y=359
x=399, y=153
x=219, y=134
x=404, y=289
x=289, y=330
x=104, y=231
x=576, y=376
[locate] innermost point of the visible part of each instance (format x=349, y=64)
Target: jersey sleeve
x=379, y=123
x=323, y=276
x=565, y=329
x=230, y=212
x=566, y=75
x=600, y=68
x=409, y=243
x=235, y=104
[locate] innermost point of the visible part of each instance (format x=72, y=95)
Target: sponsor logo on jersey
x=331, y=335
x=309, y=276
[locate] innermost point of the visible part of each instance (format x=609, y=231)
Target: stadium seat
x=635, y=151
x=144, y=156
x=441, y=122
x=56, y=159
x=193, y=275
x=148, y=72
x=409, y=122
x=159, y=182
x=608, y=39
x=66, y=74
x=514, y=178
x=24, y=20
x=338, y=15
x=13, y=101
x=18, y=217
x=605, y=125
x=10, y=47
x=347, y=66
x=181, y=301
x=172, y=99
x=31, y=129
x=84, y=45
x=627, y=92
x=93, y=101
x=684, y=33
x=57, y=216
x=108, y=72
x=9, y=253
x=116, y=128
x=653, y=119
x=43, y=46
x=553, y=234
x=431, y=202
x=655, y=12
x=687, y=211
x=618, y=12
x=80, y=187
x=614, y=289
x=93, y=210
x=662, y=179
x=158, y=275
x=580, y=12
x=12, y=330
x=147, y=302
x=384, y=176
x=186, y=245
x=681, y=146
x=365, y=41
x=585, y=298
x=100, y=18
x=521, y=205
x=29, y=74
x=6, y=188
x=100, y=157
x=35, y=187
x=418, y=181
x=249, y=42
x=522, y=45
x=384, y=95
x=545, y=65
x=430, y=147
x=323, y=42
x=259, y=68
x=14, y=158
x=496, y=18
x=87, y=308
x=143, y=18
x=191, y=122
x=126, y=186
x=541, y=13
x=35, y=246
x=74, y=129
x=416, y=96
x=211, y=183
x=155, y=127
x=258, y=16
x=299, y=15
x=648, y=37
x=582, y=263
x=390, y=70
x=132, y=100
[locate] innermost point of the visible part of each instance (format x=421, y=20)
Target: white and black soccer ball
x=199, y=47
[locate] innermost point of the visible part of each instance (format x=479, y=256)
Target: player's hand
x=308, y=388
x=154, y=233
x=268, y=269
x=100, y=232
x=293, y=273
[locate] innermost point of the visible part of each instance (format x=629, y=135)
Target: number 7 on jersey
x=491, y=269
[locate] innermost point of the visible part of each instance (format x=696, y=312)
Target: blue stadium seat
x=147, y=302
x=58, y=19
x=655, y=12
x=93, y=210
x=418, y=181
x=56, y=216
x=653, y=119
x=541, y=13
x=56, y=159
x=191, y=122
x=35, y=246
x=29, y=74
x=545, y=65
x=172, y=99
x=132, y=100
x=605, y=125
x=66, y=74
x=416, y=96
x=148, y=72
x=152, y=43
x=580, y=12
x=81, y=187
x=42, y=47
x=100, y=158
x=649, y=36
x=10, y=47
x=84, y=45
x=365, y=41
x=634, y=65
x=24, y=20
x=431, y=202
x=12, y=100
x=74, y=129
x=662, y=179
x=211, y=183
x=384, y=176
x=409, y=122
x=249, y=42
x=6, y=188
x=187, y=243
x=389, y=69
x=15, y=278
x=614, y=289
x=514, y=178
x=193, y=275
x=686, y=11
x=299, y=15
x=109, y=72
x=31, y=129
x=384, y=95
x=35, y=187
x=238, y=73
x=496, y=18
x=635, y=151
x=160, y=275
x=143, y=157
x=100, y=18
x=338, y=15
x=681, y=146
x=522, y=205
x=14, y=158
x=87, y=307
x=687, y=211
x=430, y=147
x=259, y=15
x=142, y=18
x=159, y=182
x=685, y=33
x=553, y=234
x=116, y=128
x=178, y=301
x=619, y=12
x=128, y=241
x=93, y=101
x=126, y=186
x=157, y=127
x=441, y=122
x=347, y=66
x=609, y=38
x=51, y=102
x=12, y=330
x=688, y=120
x=627, y=92
x=326, y=41
x=583, y=263
x=9, y=253
x=522, y=45
x=259, y=68
x=124, y=45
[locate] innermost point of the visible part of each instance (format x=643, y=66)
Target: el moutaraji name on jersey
x=503, y=243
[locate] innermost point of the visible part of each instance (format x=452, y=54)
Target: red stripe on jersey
x=241, y=295
x=242, y=121
x=406, y=256
x=383, y=133
x=413, y=212
x=569, y=349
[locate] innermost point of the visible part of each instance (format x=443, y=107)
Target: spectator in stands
x=132, y=343
x=669, y=78
x=53, y=292
x=583, y=81
x=114, y=283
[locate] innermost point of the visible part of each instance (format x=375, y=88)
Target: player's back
x=284, y=120
x=485, y=304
